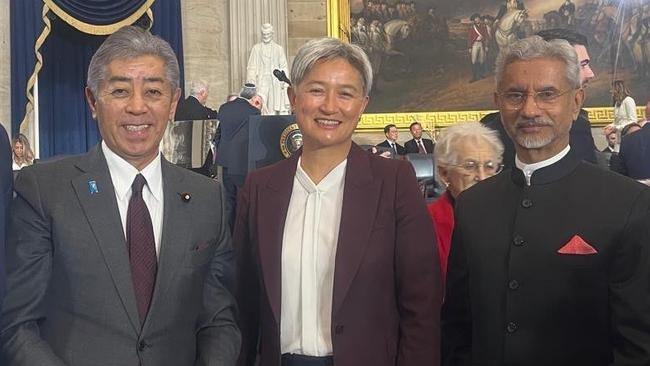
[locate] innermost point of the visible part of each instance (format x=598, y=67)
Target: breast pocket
x=201, y=253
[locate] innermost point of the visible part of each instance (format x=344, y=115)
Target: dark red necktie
x=421, y=148
x=142, y=247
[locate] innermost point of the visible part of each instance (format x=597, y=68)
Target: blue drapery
x=66, y=125
x=99, y=12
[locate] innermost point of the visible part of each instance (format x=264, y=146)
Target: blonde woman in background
x=624, y=105
x=22, y=152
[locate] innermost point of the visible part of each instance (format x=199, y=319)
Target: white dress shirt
x=529, y=169
x=122, y=176
x=309, y=243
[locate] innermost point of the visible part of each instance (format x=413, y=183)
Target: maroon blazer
x=387, y=293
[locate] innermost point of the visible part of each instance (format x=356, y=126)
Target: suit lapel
x=273, y=201
x=177, y=221
x=103, y=217
x=360, y=202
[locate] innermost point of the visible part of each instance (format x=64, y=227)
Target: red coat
x=472, y=35
x=387, y=294
x=442, y=215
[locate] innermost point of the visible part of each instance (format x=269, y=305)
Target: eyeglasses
x=544, y=99
x=472, y=167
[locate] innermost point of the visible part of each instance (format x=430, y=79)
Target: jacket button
x=338, y=329
x=527, y=203
x=518, y=240
x=512, y=327
x=513, y=285
x=142, y=345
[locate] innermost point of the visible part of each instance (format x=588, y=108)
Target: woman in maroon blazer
x=333, y=245
x=464, y=154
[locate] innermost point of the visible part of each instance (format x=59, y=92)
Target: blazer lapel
x=100, y=208
x=273, y=204
x=177, y=222
x=360, y=201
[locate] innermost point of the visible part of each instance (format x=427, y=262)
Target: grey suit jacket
x=70, y=298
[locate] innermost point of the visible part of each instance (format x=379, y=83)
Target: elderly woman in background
x=465, y=154
x=22, y=153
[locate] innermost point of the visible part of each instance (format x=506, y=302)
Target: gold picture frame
x=338, y=26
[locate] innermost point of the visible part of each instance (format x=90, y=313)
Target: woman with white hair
x=465, y=154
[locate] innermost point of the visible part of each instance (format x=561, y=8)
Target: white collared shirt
x=529, y=169
x=309, y=243
x=122, y=176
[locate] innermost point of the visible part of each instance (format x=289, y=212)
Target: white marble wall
x=5, y=66
x=206, y=44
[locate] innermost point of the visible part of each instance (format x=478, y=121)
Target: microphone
x=280, y=75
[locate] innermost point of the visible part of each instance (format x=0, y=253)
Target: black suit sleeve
x=411, y=147
x=247, y=290
x=628, y=286
x=456, y=315
x=29, y=252
x=6, y=192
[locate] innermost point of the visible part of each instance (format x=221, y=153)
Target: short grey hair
x=326, y=49
x=445, y=152
x=127, y=43
x=536, y=47
x=198, y=86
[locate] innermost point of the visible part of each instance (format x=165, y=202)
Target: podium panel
x=270, y=138
x=186, y=143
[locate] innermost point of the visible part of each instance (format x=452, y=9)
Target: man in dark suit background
x=231, y=141
x=418, y=145
x=581, y=140
x=6, y=192
x=392, y=134
x=193, y=107
x=634, y=155
x=118, y=257
x=548, y=277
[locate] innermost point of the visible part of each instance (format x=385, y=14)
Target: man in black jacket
x=538, y=273
x=193, y=108
x=231, y=141
x=418, y=145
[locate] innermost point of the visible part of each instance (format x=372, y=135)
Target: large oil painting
x=425, y=61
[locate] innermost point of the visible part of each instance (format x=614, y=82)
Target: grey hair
x=248, y=91
x=127, y=43
x=325, y=49
x=198, y=87
x=445, y=153
x=536, y=47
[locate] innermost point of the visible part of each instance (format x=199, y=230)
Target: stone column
x=246, y=19
x=5, y=67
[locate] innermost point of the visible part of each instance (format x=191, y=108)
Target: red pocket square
x=577, y=246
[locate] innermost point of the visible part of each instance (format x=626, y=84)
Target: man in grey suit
x=106, y=272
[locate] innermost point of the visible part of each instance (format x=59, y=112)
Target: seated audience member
x=193, y=107
x=634, y=155
x=418, y=145
x=611, y=142
x=392, y=134
x=335, y=251
x=466, y=153
x=22, y=152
